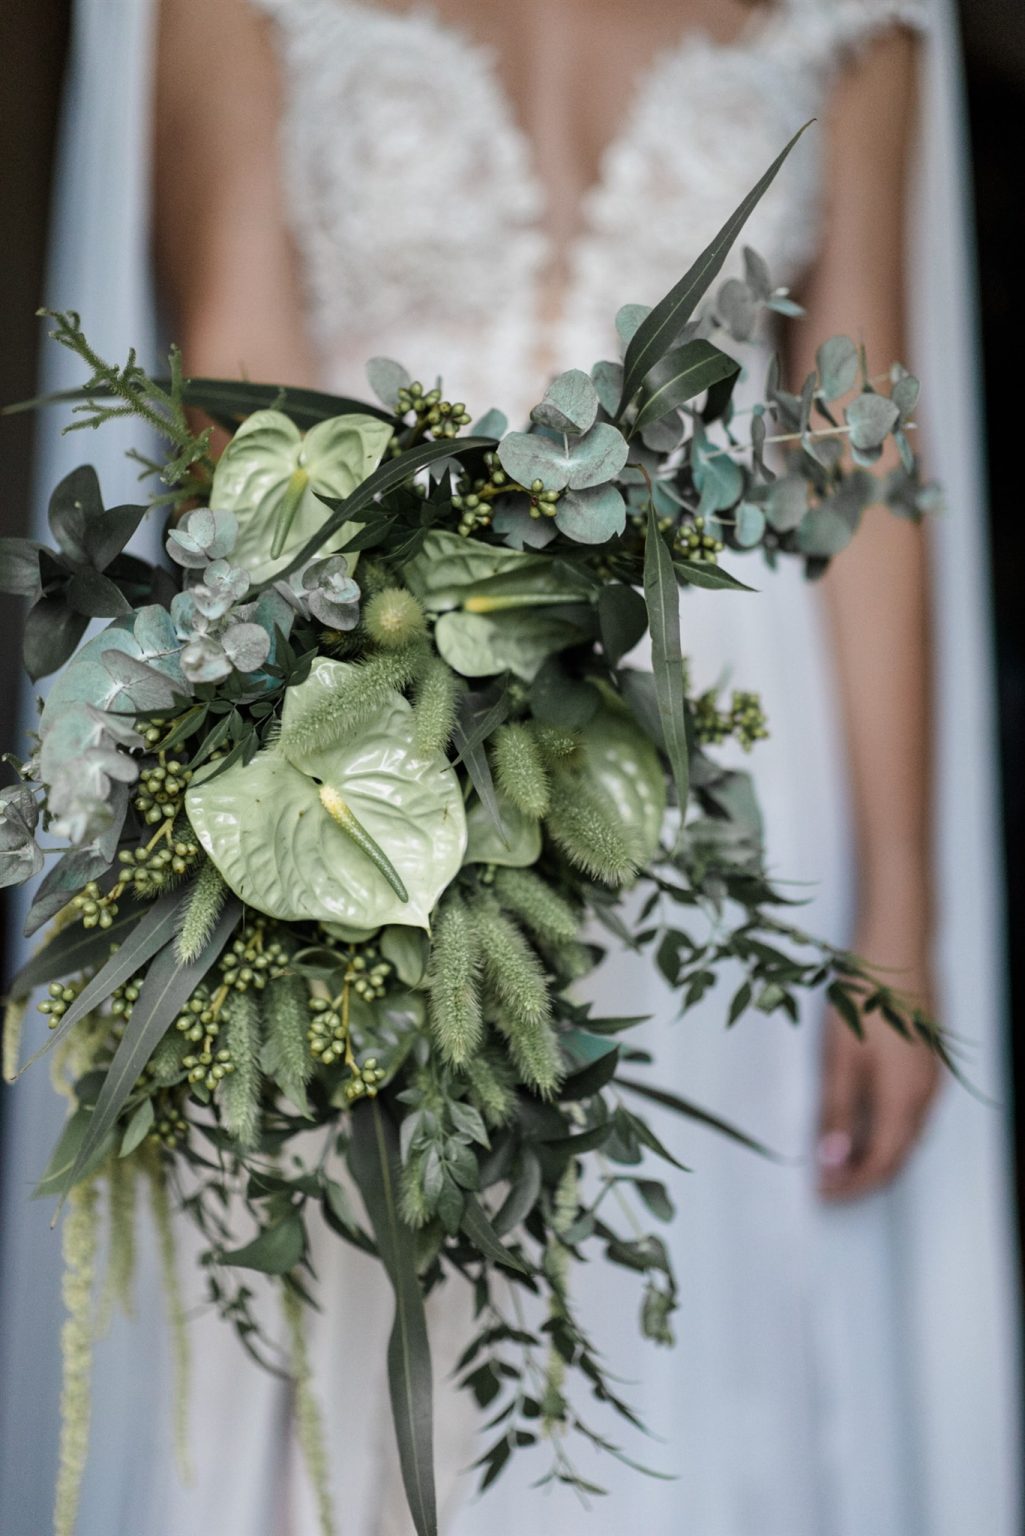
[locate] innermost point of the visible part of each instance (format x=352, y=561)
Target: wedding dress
x=839, y=1371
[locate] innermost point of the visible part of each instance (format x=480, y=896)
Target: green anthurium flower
x=362, y=832
x=485, y=844
x=623, y=762
x=271, y=475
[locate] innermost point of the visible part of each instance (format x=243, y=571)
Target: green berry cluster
x=473, y=497
x=364, y=1081
x=98, y=908
x=152, y=866
x=693, y=543
x=442, y=418
x=60, y=997
x=253, y=959
x=124, y=998
x=161, y=788
x=200, y=1023
x=745, y=719
x=170, y=1126
x=750, y=722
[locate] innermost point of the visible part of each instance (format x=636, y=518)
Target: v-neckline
x=562, y=259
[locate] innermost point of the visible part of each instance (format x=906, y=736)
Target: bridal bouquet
x=342, y=793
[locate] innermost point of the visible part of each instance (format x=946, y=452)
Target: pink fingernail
x=833, y=1150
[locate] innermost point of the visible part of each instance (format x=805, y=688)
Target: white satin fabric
x=839, y=1372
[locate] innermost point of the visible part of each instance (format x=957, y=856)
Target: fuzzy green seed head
x=393, y=618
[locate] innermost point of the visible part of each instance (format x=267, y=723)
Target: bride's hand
x=876, y=1092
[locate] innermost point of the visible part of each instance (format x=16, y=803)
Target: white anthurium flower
x=273, y=479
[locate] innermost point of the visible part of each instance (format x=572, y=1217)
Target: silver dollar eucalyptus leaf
x=570, y=404
x=837, y=363
x=591, y=516
x=871, y=417
x=222, y=586
x=20, y=858
x=386, y=377
x=596, y=457
x=201, y=536
x=246, y=645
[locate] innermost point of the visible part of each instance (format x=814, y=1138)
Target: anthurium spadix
x=362, y=831
x=272, y=476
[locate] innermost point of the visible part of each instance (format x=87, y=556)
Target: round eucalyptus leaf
x=271, y=477
x=266, y=827
x=519, y=529
x=593, y=459
x=493, y=423
x=517, y=640
x=593, y=516
x=628, y=318
x=386, y=377
x=837, y=363
x=787, y=503
x=736, y=308
x=147, y=636
x=247, y=646
x=620, y=760
x=608, y=381
x=570, y=403
x=750, y=525
x=485, y=844
x=824, y=532
x=871, y=417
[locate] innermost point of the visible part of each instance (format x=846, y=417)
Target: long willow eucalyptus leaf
x=166, y=990
x=662, y=596
x=374, y=1160
x=659, y=330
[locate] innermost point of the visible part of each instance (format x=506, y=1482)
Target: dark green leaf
x=591, y=1079
x=64, y=1153
x=663, y=602
x=469, y=734
x=700, y=1116
x=19, y=567
x=73, y=949
x=230, y=401
x=700, y=573
x=73, y=505
x=622, y=620
x=523, y=1195
x=656, y=1198
x=95, y=595
x=138, y=1128
x=682, y=374
x=51, y=634
x=165, y=991
x=484, y=1237
x=659, y=330
x=275, y=1250
x=375, y=1165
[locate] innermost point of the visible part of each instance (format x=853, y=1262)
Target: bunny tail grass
x=540, y=909
x=517, y=980
x=206, y=898
x=455, y=1011
x=240, y=1090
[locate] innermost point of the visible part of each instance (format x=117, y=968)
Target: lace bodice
x=420, y=214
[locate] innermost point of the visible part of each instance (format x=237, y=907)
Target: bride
x=475, y=188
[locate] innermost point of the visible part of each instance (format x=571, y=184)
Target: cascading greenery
x=343, y=796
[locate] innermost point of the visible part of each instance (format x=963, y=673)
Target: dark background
x=33, y=43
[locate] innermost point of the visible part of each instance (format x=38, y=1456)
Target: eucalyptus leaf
x=570, y=404
x=19, y=567
x=871, y=418
x=593, y=516
x=837, y=364
x=749, y=528
x=386, y=377
x=592, y=459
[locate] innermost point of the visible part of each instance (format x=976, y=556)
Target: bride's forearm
x=876, y=593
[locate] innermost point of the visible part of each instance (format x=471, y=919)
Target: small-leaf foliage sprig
x=345, y=796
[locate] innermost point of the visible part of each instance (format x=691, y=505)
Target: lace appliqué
x=420, y=217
